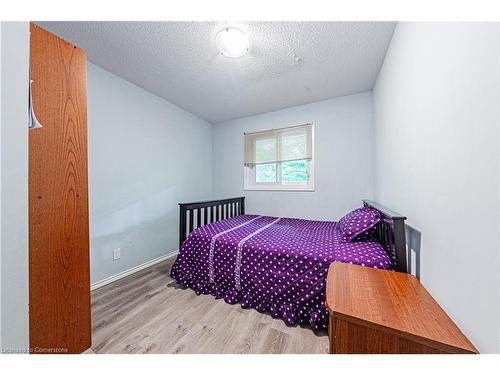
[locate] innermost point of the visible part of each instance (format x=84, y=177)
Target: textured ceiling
x=289, y=63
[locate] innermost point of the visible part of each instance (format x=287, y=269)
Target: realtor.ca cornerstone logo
x=34, y=350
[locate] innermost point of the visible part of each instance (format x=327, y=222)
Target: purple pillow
x=369, y=236
x=358, y=222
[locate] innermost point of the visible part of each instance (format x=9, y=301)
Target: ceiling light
x=231, y=42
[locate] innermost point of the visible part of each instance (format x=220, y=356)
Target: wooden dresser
x=382, y=312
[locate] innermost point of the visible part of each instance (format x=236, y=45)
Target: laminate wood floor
x=148, y=312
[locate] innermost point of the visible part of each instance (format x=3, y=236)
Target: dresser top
x=393, y=301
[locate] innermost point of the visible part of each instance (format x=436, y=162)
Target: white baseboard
x=130, y=271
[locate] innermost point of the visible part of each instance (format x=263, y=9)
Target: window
x=280, y=159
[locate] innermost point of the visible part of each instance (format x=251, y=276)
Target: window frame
x=249, y=173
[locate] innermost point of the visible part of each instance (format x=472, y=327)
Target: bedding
x=274, y=265
x=358, y=223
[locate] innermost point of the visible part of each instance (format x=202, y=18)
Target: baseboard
x=130, y=271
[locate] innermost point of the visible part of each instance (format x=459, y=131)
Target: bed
x=272, y=264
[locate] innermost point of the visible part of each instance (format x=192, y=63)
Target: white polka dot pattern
x=358, y=222
x=239, y=253
x=282, y=269
x=211, y=271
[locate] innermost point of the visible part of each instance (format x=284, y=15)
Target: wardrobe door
x=59, y=282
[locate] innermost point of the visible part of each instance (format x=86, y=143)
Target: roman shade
x=279, y=145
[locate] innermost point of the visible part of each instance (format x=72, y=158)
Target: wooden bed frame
x=390, y=232
x=197, y=214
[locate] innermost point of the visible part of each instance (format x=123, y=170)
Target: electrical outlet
x=116, y=254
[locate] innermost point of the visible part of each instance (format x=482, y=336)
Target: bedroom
x=304, y=120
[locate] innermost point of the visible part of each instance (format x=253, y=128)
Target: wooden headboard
x=391, y=235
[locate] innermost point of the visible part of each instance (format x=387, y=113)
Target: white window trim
x=249, y=175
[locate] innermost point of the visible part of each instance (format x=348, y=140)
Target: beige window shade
x=279, y=145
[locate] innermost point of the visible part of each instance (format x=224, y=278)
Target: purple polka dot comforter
x=274, y=265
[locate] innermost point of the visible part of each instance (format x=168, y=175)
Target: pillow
x=369, y=236
x=358, y=222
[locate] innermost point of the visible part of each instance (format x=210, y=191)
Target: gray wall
x=437, y=161
x=145, y=156
x=14, y=186
x=343, y=158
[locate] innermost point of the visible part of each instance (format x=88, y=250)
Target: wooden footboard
x=196, y=214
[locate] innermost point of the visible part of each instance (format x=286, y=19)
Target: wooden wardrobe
x=59, y=280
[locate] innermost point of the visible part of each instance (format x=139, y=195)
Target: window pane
x=266, y=172
x=293, y=145
x=294, y=172
x=265, y=150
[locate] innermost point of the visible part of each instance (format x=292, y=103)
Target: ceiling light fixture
x=232, y=42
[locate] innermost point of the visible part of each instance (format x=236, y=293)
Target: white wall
x=14, y=186
x=145, y=156
x=343, y=158
x=0, y=187
x=437, y=161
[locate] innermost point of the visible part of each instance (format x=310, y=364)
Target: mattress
x=274, y=265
